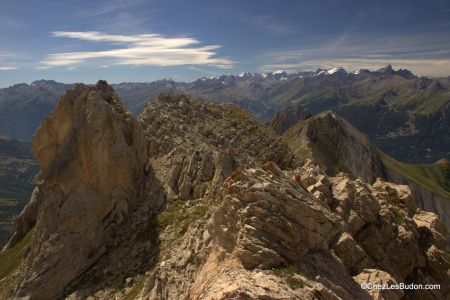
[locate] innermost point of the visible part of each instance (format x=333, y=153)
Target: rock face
x=196, y=145
x=92, y=154
x=269, y=238
x=205, y=202
x=286, y=118
x=336, y=146
x=425, y=198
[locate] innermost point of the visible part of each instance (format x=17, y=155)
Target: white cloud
x=141, y=49
x=5, y=68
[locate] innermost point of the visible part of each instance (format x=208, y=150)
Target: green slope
x=434, y=177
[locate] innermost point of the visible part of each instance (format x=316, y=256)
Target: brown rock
x=92, y=155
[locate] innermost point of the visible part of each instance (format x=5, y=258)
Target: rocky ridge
x=303, y=235
x=337, y=146
x=198, y=200
x=286, y=118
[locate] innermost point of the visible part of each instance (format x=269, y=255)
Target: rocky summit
x=199, y=200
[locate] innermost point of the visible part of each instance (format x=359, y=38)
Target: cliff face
x=198, y=200
x=92, y=155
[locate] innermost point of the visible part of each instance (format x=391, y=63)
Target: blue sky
x=146, y=40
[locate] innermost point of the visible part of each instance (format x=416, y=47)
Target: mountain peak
x=331, y=71
x=288, y=117
x=388, y=69
x=336, y=70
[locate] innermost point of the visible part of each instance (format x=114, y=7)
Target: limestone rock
x=372, y=277
x=91, y=153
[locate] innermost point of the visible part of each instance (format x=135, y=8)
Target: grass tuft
x=290, y=274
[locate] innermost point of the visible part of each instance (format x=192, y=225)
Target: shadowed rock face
x=286, y=118
x=336, y=146
x=92, y=154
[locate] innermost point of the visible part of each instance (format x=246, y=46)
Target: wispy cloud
x=141, y=49
x=266, y=22
x=108, y=7
x=11, y=23
x=6, y=68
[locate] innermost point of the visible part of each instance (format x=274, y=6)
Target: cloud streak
x=5, y=68
x=141, y=49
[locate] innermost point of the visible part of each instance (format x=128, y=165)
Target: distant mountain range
x=407, y=116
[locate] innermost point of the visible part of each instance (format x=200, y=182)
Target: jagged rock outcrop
x=424, y=198
x=336, y=146
x=196, y=145
x=288, y=117
x=269, y=238
x=92, y=154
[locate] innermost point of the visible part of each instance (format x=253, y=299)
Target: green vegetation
x=399, y=218
x=434, y=177
x=136, y=288
x=11, y=258
x=179, y=216
x=290, y=274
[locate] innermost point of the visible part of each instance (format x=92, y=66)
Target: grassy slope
x=11, y=258
x=434, y=177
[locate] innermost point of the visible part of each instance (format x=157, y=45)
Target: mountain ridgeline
x=335, y=145
x=200, y=200
x=405, y=115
